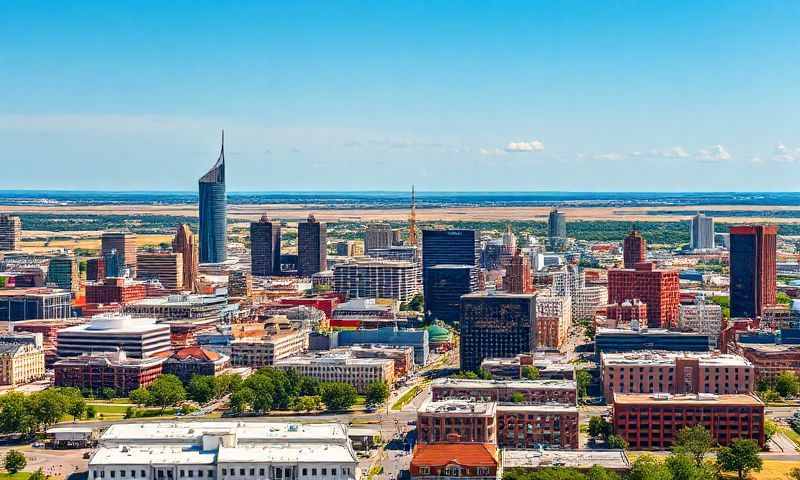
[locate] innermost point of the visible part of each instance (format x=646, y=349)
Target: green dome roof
x=438, y=334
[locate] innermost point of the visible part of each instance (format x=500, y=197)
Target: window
x=424, y=470
x=211, y=474
x=261, y=471
x=181, y=473
x=113, y=474
x=191, y=473
x=224, y=471
x=278, y=473
x=252, y=472
x=133, y=473
x=143, y=473
x=314, y=472
x=241, y=472
x=333, y=472
x=102, y=474
x=199, y=474
x=305, y=472
x=122, y=473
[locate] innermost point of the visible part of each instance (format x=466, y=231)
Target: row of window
x=278, y=473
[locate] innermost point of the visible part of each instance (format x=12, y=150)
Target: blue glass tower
x=213, y=221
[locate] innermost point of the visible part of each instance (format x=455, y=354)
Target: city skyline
x=340, y=97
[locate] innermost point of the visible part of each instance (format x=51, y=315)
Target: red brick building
x=455, y=461
x=626, y=311
x=107, y=370
x=533, y=391
x=518, y=274
x=652, y=422
x=770, y=360
x=528, y=426
x=115, y=290
x=326, y=304
x=659, y=289
x=457, y=421
x=634, y=249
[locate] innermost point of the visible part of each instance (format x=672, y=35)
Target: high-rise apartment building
x=378, y=235
x=165, y=267
x=451, y=247
x=557, y=230
x=185, y=244
x=634, y=249
x=10, y=233
x=265, y=247
x=659, y=289
x=63, y=272
x=312, y=247
x=124, y=244
x=213, y=215
x=240, y=284
x=518, y=274
x=702, y=232
x=753, y=269
x=376, y=278
x=496, y=325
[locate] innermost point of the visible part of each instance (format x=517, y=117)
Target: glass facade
x=213, y=220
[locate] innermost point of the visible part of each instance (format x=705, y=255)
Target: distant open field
x=84, y=240
x=243, y=213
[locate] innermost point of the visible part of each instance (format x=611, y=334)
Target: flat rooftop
x=769, y=347
x=665, y=358
x=512, y=384
x=579, y=459
x=460, y=407
x=192, y=432
x=690, y=399
x=647, y=331
x=543, y=408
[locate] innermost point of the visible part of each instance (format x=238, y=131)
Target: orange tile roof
x=197, y=352
x=466, y=454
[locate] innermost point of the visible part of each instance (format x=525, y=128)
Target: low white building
x=224, y=451
x=703, y=318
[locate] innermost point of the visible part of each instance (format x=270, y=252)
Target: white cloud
x=609, y=156
x=785, y=155
x=756, y=160
x=715, y=153
x=492, y=152
x=523, y=147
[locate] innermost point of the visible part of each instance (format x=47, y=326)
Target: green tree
x=108, y=393
x=517, y=397
x=76, y=408
x=599, y=426
x=783, y=298
x=14, y=461
x=166, y=391
x=226, y=384
x=769, y=395
x=90, y=411
x=616, y=442
x=484, y=374
x=794, y=474
x=770, y=429
x=202, y=388
x=140, y=396
x=309, y=386
x=583, y=380
x=647, y=467
x=787, y=384
x=468, y=375
x=683, y=467
x=338, y=395
x=377, y=392
x=599, y=473
x=15, y=414
x=263, y=388
x=47, y=407
x=530, y=373
x=741, y=457
x=242, y=400
x=695, y=442
x=38, y=475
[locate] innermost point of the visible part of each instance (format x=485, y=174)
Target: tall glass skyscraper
x=213, y=221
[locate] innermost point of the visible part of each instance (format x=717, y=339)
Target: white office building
x=224, y=451
x=138, y=337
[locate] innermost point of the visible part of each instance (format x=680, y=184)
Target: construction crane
x=412, y=220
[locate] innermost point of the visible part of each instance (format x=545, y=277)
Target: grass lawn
x=773, y=470
x=407, y=397
x=15, y=476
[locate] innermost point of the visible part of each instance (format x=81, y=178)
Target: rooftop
x=442, y=454
x=537, y=407
x=116, y=323
x=659, y=357
x=461, y=407
x=181, y=300
x=339, y=358
x=646, y=331
x=579, y=459
x=512, y=384
x=690, y=399
x=192, y=432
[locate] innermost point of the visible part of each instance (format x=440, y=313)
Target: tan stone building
x=20, y=363
x=265, y=351
x=341, y=367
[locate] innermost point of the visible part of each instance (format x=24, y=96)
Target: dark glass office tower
x=312, y=254
x=496, y=325
x=265, y=247
x=451, y=247
x=213, y=221
x=557, y=230
x=443, y=290
x=753, y=269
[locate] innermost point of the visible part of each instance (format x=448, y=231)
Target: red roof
x=465, y=454
x=198, y=353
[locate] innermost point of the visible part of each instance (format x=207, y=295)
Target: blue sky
x=681, y=96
